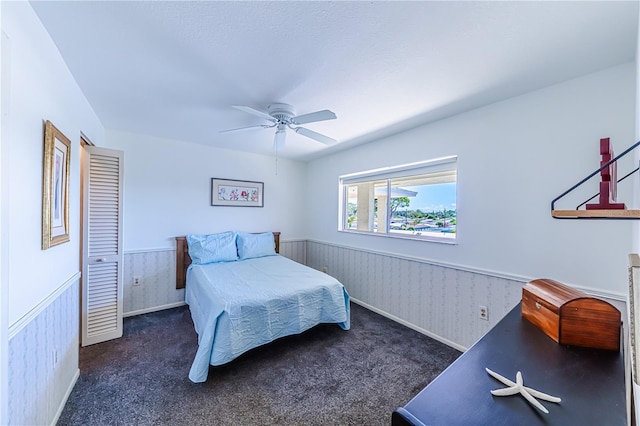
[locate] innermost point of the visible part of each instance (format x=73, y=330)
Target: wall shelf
x=596, y=214
x=607, y=191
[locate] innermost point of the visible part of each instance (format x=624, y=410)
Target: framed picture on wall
x=236, y=193
x=55, y=187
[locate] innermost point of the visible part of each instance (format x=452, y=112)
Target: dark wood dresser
x=591, y=383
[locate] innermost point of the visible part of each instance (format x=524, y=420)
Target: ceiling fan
x=283, y=116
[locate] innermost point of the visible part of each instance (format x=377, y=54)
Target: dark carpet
x=325, y=376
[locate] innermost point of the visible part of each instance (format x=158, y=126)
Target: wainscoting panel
x=43, y=361
x=156, y=271
x=441, y=301
x=294, y=250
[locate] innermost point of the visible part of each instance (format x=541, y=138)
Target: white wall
x=5, y=59
x=635, y=248
x=514, y=157
x=168, y=183
x=42, y=285
x=636, y=192
x=42, y=88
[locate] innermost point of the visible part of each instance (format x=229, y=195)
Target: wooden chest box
x=569, y=316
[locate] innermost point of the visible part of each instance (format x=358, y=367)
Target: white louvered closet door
x=102, y=253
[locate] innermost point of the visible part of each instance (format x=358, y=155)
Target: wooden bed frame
x=183, y=260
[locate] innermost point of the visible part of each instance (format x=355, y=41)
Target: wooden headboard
x=183, y=260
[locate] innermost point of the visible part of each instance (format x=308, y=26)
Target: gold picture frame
x=55, y=187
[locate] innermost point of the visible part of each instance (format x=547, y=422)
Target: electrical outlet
x=136, y=280
x=484, y=313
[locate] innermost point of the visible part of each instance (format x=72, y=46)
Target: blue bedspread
x=237, y=306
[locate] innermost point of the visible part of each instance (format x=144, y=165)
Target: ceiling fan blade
x=278, y=142
x=241, y=129
x=323, y=115
x=254, y=112
x=314, y=135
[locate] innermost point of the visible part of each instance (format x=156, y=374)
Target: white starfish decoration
x=518, y=387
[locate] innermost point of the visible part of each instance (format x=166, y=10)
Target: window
x=411, y=201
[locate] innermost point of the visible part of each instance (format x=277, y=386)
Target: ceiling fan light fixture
x=278, y=141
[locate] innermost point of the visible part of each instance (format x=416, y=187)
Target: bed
x=238, y=305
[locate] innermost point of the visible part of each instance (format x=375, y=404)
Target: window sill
x=414, y=237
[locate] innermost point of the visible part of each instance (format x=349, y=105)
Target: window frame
x=443, y=164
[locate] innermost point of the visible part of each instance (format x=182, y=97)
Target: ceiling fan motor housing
x=282, y=112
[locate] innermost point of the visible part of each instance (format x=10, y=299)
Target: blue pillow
x=255, y=245
x=212, y=248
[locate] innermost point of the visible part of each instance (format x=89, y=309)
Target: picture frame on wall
x=237, y=193
x=55, y=187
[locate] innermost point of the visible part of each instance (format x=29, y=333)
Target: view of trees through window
x=418, y=205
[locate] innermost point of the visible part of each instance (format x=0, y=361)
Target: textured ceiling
x=174, y=69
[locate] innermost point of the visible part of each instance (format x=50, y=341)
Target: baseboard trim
x=66, y=397
x=410, y=325
x=17, y=326
x=153, y=309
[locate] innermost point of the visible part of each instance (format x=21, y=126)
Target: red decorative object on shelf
x=609, y=180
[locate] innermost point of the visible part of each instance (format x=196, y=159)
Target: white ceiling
x=174, y=68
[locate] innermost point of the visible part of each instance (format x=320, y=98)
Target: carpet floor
x=324, y=376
